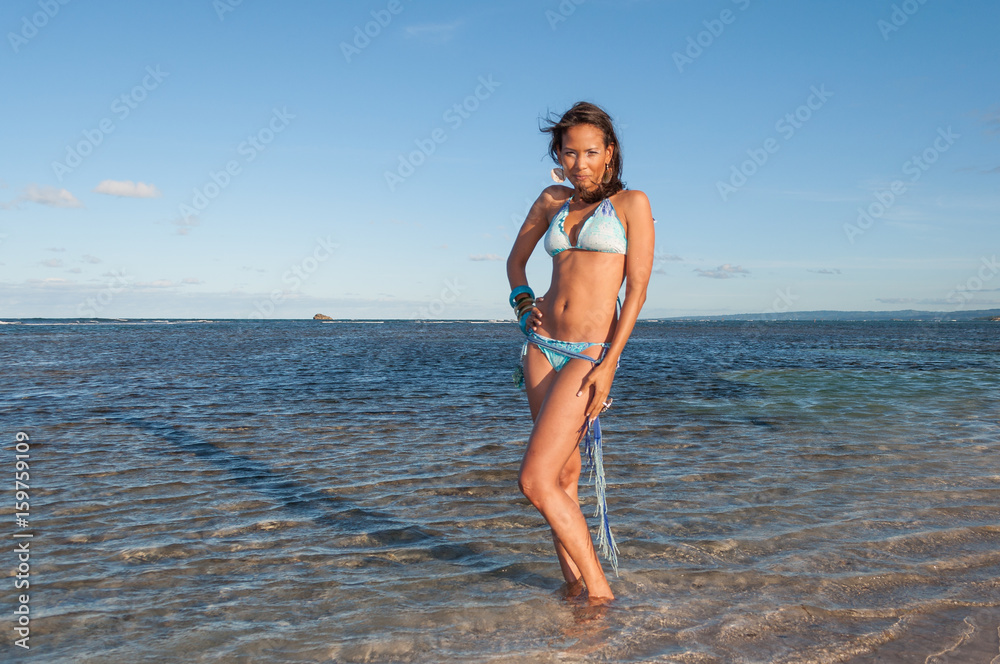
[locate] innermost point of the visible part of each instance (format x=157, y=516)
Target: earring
x=558, y=175
x=607, y=174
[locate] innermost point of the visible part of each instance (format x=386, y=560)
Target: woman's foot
x=600, y=600
x=573, y=589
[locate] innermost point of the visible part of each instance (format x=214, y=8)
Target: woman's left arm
x=638, y=267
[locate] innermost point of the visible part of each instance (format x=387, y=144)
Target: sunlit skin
x=579, y=306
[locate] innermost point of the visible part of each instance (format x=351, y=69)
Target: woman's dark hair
x=586, y=113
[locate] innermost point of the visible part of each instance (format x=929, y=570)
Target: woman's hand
x=535, y=317
x=597, y=385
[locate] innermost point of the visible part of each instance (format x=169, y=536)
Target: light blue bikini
x=558, y=353
x=601, y=231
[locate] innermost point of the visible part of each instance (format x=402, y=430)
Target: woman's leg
x=552, y=461
x=538, y=377
x=569, y=480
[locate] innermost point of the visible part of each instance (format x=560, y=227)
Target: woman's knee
x=534, y=488
x=526, y=485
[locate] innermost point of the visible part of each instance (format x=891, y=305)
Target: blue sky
x=224, y=159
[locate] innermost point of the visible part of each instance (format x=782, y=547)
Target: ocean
x=305, y=491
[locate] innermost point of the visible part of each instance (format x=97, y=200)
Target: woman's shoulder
x=553, y=197
x=547, y=205
x=556, y=193
x=632, y=205
x=631, y=200
x=631, y=197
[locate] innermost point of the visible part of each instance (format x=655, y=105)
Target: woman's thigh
x=538, y=377
x=559, y=420
x=539, y=374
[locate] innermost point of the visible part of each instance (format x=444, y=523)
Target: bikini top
x=601, y=231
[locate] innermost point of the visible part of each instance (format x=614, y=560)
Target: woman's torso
x=580, y=302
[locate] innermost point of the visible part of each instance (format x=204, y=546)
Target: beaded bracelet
x=518, y=291
x=527, y=304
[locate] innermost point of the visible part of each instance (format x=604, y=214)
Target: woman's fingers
x=600, y=392
x=596, y=405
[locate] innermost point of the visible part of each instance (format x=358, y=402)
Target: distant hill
x=905, y=314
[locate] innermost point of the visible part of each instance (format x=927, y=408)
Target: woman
x=598, y=235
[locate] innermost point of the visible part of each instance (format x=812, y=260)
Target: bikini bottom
x=558, y=353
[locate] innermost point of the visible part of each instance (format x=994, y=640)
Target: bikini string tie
x=594, y=454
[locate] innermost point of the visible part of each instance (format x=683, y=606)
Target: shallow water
x=331, y=492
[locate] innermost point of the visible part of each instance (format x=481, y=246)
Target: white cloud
x=186, y=223
x=53, y=262
x=825, y=271
x=50, y=196
x=91, y=259
x=953, y=303
x=485, y=257
x=191, y=280
x=722, y=272
x=44, y=196
x=437, y=32
x=128, y=189
x=50, y=281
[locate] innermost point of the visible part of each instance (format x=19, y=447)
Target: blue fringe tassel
x=595, y=464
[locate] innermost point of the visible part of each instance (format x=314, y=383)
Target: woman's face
x=583, y=156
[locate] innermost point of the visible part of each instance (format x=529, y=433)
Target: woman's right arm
x=532, y=230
